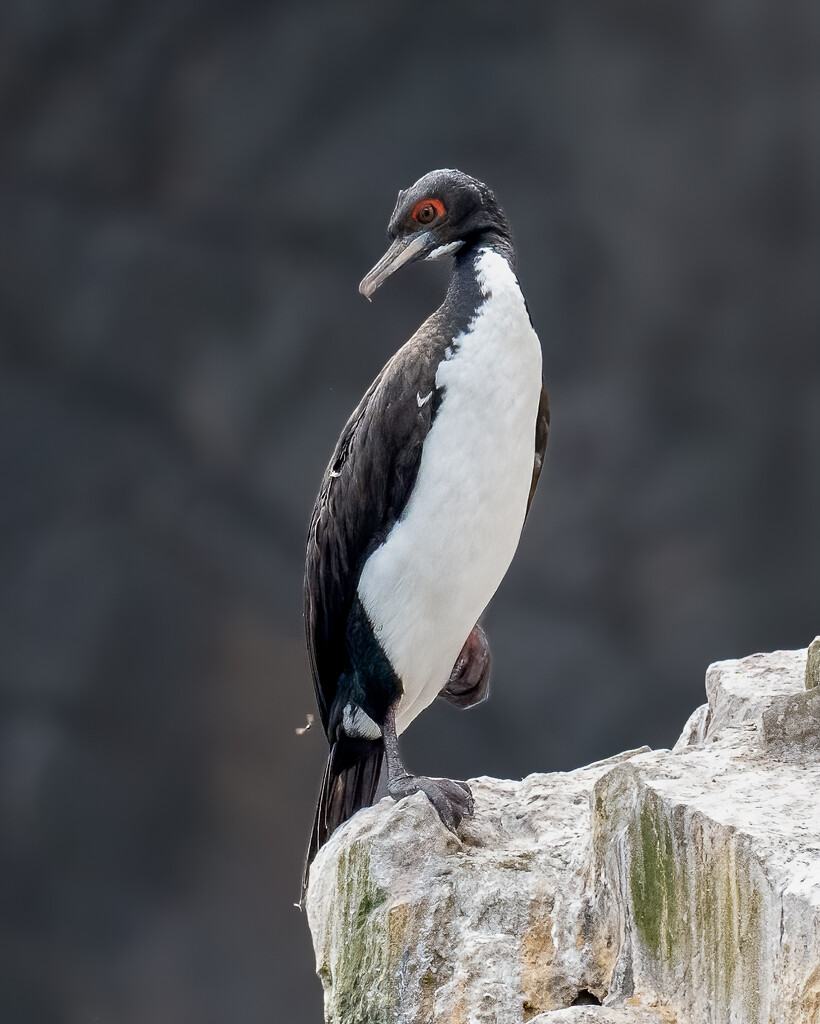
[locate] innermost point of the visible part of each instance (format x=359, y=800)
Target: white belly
x=431, y=579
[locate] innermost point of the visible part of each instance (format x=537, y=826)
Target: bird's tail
x=350, y=782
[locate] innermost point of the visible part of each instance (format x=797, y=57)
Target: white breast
x=431, y=579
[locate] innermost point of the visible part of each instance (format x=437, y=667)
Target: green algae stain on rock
x=360, y=941
x=371, y=900
x=695, y=905
x=380, y=964
x=727, y=925
x=657, y=880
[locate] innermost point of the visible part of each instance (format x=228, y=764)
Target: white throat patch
x=443, y=250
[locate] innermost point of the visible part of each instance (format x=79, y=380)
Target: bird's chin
x=400, y=253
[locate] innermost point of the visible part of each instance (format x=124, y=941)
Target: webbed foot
x=452, y=800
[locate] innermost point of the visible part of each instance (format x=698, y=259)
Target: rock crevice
x=671, y=886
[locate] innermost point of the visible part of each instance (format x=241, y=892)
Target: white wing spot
x=423, y=401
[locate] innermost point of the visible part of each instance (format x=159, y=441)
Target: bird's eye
x=427, y=211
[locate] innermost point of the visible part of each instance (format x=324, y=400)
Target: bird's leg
x=469, y=682
x=452, y=800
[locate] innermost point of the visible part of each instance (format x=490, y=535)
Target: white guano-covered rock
x=673, y=886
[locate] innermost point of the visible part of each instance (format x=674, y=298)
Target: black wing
x=542, y=430
x=364, y=490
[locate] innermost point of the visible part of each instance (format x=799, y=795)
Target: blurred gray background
x=189, y=195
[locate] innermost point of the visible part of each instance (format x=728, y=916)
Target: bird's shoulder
x=395, y=412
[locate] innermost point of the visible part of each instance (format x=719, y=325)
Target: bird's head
x=443, y=211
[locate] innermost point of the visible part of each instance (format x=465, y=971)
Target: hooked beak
x=403, y=250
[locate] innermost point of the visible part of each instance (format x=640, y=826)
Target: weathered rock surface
x=673, y=886
x=599, y=1015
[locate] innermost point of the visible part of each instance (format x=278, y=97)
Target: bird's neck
x=466, y=291
x=498, y=241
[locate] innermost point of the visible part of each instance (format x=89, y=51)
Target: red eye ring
x=427, y=210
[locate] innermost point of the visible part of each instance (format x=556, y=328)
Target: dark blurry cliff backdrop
x=189, y=195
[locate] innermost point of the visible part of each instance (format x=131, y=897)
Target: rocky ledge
x=674, y=885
